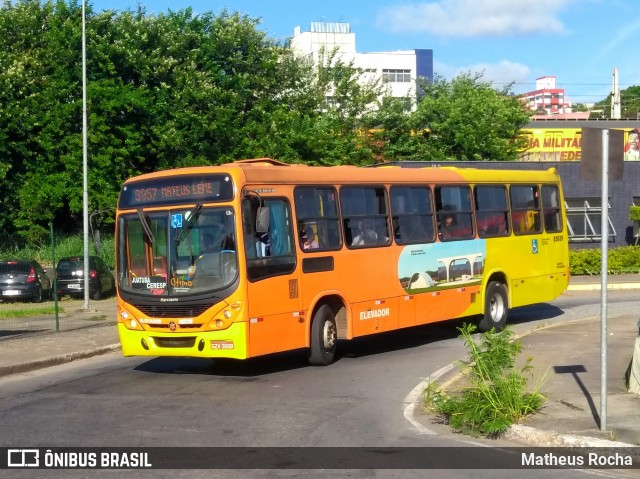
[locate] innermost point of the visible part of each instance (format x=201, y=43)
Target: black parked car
x=70, y=277
x=24, y=280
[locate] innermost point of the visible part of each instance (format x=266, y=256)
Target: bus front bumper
x=228, y=343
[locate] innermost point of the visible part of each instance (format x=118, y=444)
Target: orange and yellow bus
x=258, y=256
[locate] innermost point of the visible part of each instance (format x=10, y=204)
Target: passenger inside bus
x=363, y=234
x=447, y=227
x=309, y=240
x=409, y=230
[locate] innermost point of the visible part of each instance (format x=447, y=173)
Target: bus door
x=273, y=299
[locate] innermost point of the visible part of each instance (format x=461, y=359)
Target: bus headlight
x=128, y=320
x=224, y=318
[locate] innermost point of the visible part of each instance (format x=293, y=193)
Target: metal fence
x=42, y=289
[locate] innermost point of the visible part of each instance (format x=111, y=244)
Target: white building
x=547, y=98
x=398, y=69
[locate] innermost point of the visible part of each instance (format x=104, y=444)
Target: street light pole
x=85, y=178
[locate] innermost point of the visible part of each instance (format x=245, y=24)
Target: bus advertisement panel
x=257, y=256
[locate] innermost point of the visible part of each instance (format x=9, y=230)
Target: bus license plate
x=220, y=344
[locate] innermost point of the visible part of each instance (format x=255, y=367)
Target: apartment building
x=397, y=69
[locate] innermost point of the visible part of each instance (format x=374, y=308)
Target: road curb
x=596, y=286
x=523, y=434
x=56, y=360
x=538, y=437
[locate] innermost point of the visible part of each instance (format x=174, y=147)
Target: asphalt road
x=111, y=401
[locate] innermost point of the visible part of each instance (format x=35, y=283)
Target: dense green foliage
x=464, y=119
x=495, y=394
x=471, y=121
x=624, y=259
x=178, y=88
x=629, y=104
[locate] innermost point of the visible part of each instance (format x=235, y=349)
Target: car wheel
x=37, y=298
x=324, y=337
x=98, y=294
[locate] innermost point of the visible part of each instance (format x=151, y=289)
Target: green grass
x=21, y=312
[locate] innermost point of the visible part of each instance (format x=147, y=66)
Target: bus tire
x=324, y=337
x=496, y=308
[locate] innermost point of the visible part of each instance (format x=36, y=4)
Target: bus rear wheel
x=496, y=308
x=324, y=337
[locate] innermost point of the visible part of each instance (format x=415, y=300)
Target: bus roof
x=267, y=170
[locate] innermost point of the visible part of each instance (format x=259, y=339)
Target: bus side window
x=317, y=218
x=492, y=212
x=453, y=204
x=365, y=215
x=551, y=209
x=525, y=209
x=412, y=215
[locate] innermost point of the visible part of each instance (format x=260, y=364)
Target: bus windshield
x=178, y=252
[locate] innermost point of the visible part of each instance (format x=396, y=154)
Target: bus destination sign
x=176, y=190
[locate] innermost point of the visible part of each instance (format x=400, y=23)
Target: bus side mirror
x=262, y=220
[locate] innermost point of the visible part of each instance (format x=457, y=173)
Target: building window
x=331, y=102
x=396, y=76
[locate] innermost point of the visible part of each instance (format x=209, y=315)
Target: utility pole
x=615, y=96
x=85, y=180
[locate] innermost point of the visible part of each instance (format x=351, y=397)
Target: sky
x=579, y=42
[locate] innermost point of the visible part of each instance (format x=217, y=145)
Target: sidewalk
x=568, y=351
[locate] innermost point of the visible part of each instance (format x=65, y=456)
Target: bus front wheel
x=324, y=337
x=496, y=308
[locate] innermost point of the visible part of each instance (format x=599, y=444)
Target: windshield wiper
x=146, y=226
x=191, y=220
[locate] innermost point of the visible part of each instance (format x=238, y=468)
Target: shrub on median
x=495, y=395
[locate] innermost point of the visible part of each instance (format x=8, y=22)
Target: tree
x=164, y=91
x=469, y=120
x=580, y=107
x=629, y=102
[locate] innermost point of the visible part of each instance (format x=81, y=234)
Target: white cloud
x=498, y=74
x=473, y=18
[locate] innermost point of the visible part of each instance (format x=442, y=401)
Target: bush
x=496, y=395
x=624, y=259
x=67, y=246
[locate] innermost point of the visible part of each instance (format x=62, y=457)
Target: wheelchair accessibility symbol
x=176, y=221
x=534, y=246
